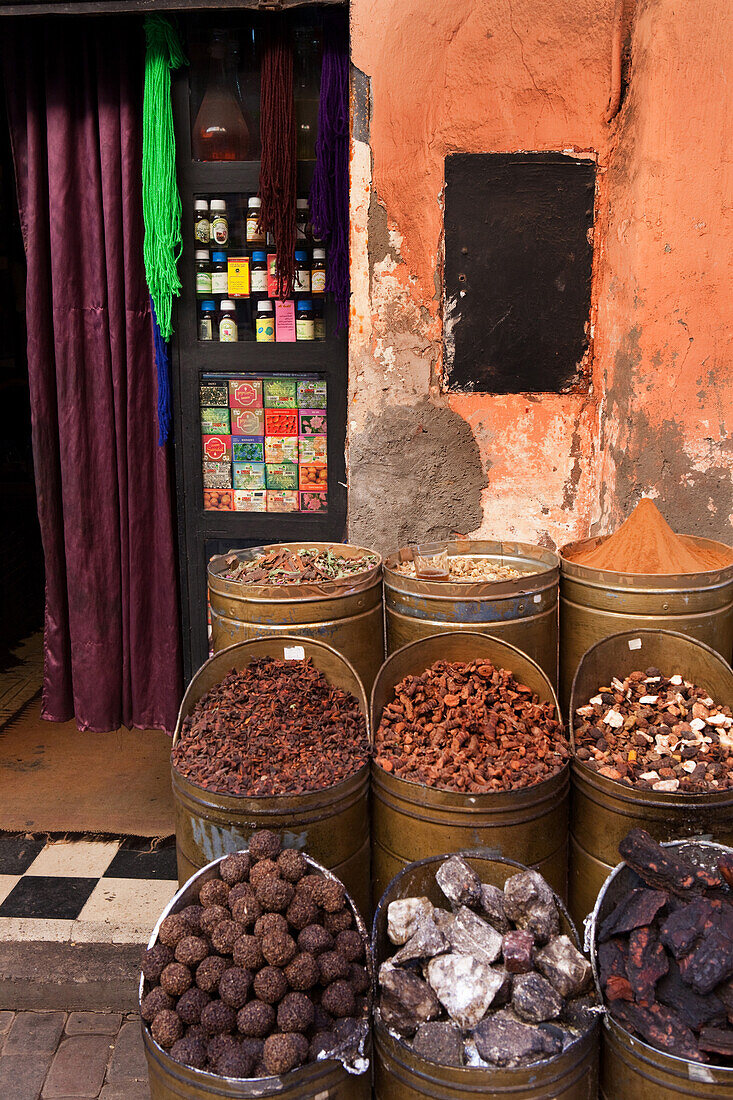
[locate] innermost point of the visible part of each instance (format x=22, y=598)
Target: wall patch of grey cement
x=416, y=475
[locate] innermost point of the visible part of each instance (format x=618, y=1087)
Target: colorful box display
x=281, y=422
x=248, y=448
x=263, y=443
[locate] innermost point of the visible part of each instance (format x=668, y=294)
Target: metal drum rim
x=270, y=593
x=481, y=590
x=310, y=798
x=655, y=582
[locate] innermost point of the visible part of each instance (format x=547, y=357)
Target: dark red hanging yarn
x=278, y=165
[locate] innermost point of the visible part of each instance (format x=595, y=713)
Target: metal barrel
x=400, y=1074
x=630, y=1068
x=332, y=824
x=522, y=612
x=411, y=821
x=597, y=602
x=347, y=615
x=602, y=810
x=169, y=1080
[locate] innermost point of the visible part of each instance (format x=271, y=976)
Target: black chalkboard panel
x=518, y=262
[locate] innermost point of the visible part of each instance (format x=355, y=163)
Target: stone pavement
x=72, y=1056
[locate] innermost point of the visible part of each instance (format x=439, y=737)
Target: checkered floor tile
x=83, y=891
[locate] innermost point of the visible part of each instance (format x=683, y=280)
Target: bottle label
x=220, y=229
x=203, y=282
x=304, y=329
x=318, y=281
x=265, y=329
x=219, y=282
x=302, y=280
x=228, y=330
x=258, y=280
x=254, y=233
x=206, y=329
x=202, y=230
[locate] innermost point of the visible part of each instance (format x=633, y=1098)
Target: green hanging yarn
x=161, y=201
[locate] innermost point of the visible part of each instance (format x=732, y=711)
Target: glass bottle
x=265, y=322
x=254, y=233
x=219, y=223
x=201, y=223
x=228, y=333
x=302, y=282
x=319, y=321
x=219, y=274
x=318, y=271
x=206, y=321
x=258, y=273
x=304, y=328
x=220, y=130
x=203, y=271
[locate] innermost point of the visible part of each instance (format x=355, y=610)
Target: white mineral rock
x=464, y=986
x=614, y=719
x=666, y=785
x=404, y=916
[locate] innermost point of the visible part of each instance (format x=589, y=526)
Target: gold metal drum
x=630, y=1068
x=169, y=1080
x=331, y=824
x=522, y=612
x=596, y=602
x=411, y=821
x=602, y=810
x=401, y=1074
x=346, y=614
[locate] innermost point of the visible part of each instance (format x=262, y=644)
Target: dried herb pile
x=276, y=728
x=659, y=733
x=665, y=953
x=463, y=568
x=489, y=981
x=264, y=972
x=469, y=727
x=286, y=567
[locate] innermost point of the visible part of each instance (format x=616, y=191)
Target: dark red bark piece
x=636, y=910
x=710, y=963
x=612, y=957
x=725, y=866
x=682, y=929
x=659, y=1026
x=662, y=869
x=646, y=964
x=692, y=1009
x=717, y=1040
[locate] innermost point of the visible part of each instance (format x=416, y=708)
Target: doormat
x=54, y=779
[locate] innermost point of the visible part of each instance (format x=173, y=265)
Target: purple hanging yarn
x=162, y=363
x=329, y=195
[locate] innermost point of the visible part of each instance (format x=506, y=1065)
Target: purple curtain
x=112, y=647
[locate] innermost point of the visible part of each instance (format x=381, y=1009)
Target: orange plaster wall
x=509, y=75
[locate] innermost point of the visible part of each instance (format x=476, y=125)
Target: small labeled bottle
x=302, y=218
x=219, y=276
x=254, y=234
x=318, y=271
x=258, y=273
x=302, y=281
x=319, y=321
x=265, y=322
x=201, y=223
x=219, y=222
x=207, y=321
x=203, y=271
x=228, y=332
x=304, y=326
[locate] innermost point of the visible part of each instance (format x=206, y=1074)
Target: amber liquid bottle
x=220, y=131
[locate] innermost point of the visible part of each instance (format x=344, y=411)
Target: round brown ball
x=273, y=924
x=359, y=979
x=189, y=1052
x=350, y=944
x=166, y=1028
x=331, y=896
x=176, y=979
x=252, y=1047
x=209, y=972
x=191, y=1005
x=281, y=1053
x=195, y=1031
x=278, y=950
x=322, y=1020
x=301, y=912
x=270, y=985
x=264, y=845
x=310, y=884
x=155, y=960
x=292, y=864
x=295, y=1012
x=234, y=1063
x=262, y=870
x=192, y=915
x=256, y=1019
x=338, y=922
x=212, y=916
x=247, y=953
x=332, y=966
x=172, y=929
x=302, y=1045
x=338, y=999
x=315, y=940
x=217, y=1045
x=213, y=892
x=226, y=934
x=246, y=910
x=156, y=1000
x=234, y=986
x=191, y=950
x=235, y=868
x=303, y=972
x=218, y=1018
x=240, y=890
